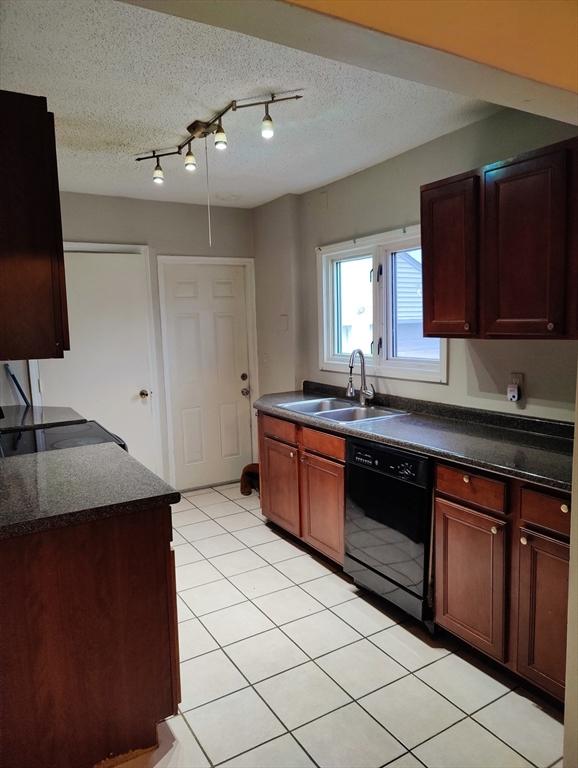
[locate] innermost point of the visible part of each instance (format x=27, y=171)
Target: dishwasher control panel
x=398, y=464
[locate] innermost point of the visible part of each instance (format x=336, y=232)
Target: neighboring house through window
x=370, y=297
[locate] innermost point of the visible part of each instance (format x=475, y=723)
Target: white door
x=110, y=358
x=204, y=319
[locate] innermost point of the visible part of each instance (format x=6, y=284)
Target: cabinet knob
x=550, y=326
x=523, y=540
x=564, y=508
x=292, y=454
x=466, y=326
x=494, y=530
x=466, y=479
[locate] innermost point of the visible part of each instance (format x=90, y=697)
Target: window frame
x=382, y=364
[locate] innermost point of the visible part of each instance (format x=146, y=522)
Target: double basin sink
x=334, y=409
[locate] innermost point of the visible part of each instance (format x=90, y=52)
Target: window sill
x=407, y=371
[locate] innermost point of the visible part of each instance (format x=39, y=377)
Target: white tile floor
x=284, y=664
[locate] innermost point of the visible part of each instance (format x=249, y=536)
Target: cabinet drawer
x=281, y=430
x=475, y=489
x=548, y=511
x=320, y=442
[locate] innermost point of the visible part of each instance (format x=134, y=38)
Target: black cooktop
x=52, y=438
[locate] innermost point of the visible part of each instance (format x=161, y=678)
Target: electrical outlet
x=515, y=387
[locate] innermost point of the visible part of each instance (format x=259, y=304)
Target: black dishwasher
x=388, y=515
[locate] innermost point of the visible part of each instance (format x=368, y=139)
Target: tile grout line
x=351, y=699
x=362, y=636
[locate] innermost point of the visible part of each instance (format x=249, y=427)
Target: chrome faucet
x=365, y=393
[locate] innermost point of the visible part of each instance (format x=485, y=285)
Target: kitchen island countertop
x=64, y=487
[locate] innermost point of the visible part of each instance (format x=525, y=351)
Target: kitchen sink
x=368, y=413
x=317, y=406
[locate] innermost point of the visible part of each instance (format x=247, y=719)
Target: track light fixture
x=220, y=137
x=200, y=129
x=267, y=130
x=158, y=173
x=190, y=160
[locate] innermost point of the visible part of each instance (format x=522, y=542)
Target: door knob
x=143, y=394
x=245, y=392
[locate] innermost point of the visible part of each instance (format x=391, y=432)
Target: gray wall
x=386, y=196
x=167, y=229
x=276, y=229
x=282, y=237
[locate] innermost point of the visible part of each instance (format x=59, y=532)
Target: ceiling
x=123, y=80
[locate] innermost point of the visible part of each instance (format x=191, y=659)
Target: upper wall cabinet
x=503, y=263
x=33, y=317
x=449, y=223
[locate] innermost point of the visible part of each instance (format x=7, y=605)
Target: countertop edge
x=38, y=525
x=458, y=458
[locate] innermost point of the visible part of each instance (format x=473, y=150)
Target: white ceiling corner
x=123, y=80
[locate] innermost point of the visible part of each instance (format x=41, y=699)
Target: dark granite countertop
x=74, y=485
x=544, y=459
x=16, y=417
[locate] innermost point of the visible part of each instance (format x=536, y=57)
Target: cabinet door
x=543, y=610
x=33, y=320
x=280, y=471
x=523, y=263
x=470, y=576
x=449, y=233
x=323, y=505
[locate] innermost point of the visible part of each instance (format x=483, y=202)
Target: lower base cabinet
x=281, y=484
x=543, y=611
x=303, y=483
x=501, y=577
x=471, y=576
x=322, y=504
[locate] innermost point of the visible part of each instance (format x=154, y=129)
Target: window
x=353, y=304
x=371, y=298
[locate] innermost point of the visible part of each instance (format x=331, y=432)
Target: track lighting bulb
x=158, y=173
x=190, y=160
x=267, y=131
x=220, y=137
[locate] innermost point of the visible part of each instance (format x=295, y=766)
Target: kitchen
x=437, y=642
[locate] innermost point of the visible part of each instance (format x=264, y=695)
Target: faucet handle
x=370, y=392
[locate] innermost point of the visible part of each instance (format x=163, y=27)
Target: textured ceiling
x=123, y=80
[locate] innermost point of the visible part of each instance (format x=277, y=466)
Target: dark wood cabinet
x=322, y=504
x=302, y=481
x=523, y=270
x=499, y=248
x=543, y=610
x=501, y=571
x=33, y=316
x=280, y=473
x=449, y=222
x=470, y=576
x=88, y=648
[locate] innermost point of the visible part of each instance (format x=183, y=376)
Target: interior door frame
x=144, y=252
x=250, y=304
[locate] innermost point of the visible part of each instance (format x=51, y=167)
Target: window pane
x=353, y=305
x=407, y=310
